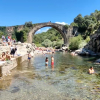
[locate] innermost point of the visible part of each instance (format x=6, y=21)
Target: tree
x=98, y=16
x=74, y=42
x=47, y=43
x=28, y=24
x=74, y=24
x=66, y=26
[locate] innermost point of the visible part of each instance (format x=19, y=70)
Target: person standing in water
x=91, y=70
x=46, y=61
x=52, y=62
x=29, y=56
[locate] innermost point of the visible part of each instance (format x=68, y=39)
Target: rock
x=94, y=43
x=18, y=42
x=84, y=51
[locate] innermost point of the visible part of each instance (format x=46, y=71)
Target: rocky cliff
x=94, y=43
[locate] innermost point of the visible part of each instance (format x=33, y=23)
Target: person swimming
x=91, y=70
x=46, y=61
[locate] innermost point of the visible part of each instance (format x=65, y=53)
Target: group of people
x=7, y=40
x=52, y=62
x=91, y=69
x=8, y=55
x=5, y=56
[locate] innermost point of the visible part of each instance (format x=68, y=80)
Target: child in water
x=46, y=61
x=29, y=56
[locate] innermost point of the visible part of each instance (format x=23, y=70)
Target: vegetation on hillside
x=51, y=38
x=87, y=26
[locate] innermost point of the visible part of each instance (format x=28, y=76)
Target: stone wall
x=94, y=43
x=7, y=66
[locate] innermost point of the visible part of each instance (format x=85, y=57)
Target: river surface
x=69, y=80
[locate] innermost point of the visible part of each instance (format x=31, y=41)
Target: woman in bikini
x=46, y=61
x=3, y=57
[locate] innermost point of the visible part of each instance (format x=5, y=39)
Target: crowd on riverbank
x=8, y=54
x=43, y=50
x=7, y=40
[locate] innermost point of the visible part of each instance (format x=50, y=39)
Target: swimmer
x=91, y=70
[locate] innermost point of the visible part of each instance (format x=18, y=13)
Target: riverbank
x=20, y=56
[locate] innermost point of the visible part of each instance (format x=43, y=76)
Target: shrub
x=82, y=44
x=47, y=43
x=87, y=39
x=74, y=42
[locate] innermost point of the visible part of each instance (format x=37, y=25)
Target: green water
x=69, y=80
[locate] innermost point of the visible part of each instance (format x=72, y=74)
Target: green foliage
x=21, y=35
x=52, y=34
x=1, y=33
x=74, y=42
x=87, y=24
x=47, y=43
x=87, y=39
x=82, y=44
x=28, y=24
x=66, y=26
x=59, y=44
x=74, y=24
x=38, y=45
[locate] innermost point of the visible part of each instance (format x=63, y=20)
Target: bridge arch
x=58, y=27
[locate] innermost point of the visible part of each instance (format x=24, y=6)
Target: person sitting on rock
x=91, y=70
x=8, y=56
x=3, y=56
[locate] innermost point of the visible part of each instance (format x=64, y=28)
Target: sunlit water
x=69, y=80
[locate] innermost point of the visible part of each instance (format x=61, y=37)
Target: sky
x=17, y=12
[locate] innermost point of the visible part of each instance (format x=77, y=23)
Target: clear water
x=69, y=80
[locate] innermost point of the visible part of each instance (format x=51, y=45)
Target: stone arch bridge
x=66, y=33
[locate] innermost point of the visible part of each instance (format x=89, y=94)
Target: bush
x=82, y=44
x=74, y=42
x=87, y=39
x=59, y=44
x=47, y=43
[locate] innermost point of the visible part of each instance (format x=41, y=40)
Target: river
x=69, y=80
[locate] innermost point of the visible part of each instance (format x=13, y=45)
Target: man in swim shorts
x=52, y=62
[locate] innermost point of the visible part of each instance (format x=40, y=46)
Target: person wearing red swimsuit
x=52, y=62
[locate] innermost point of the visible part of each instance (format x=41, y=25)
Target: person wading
x=52, y=62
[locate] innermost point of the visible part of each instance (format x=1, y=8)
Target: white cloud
x=63, y=23
x=38, y=31
x=42, y=30
x=45, y=30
